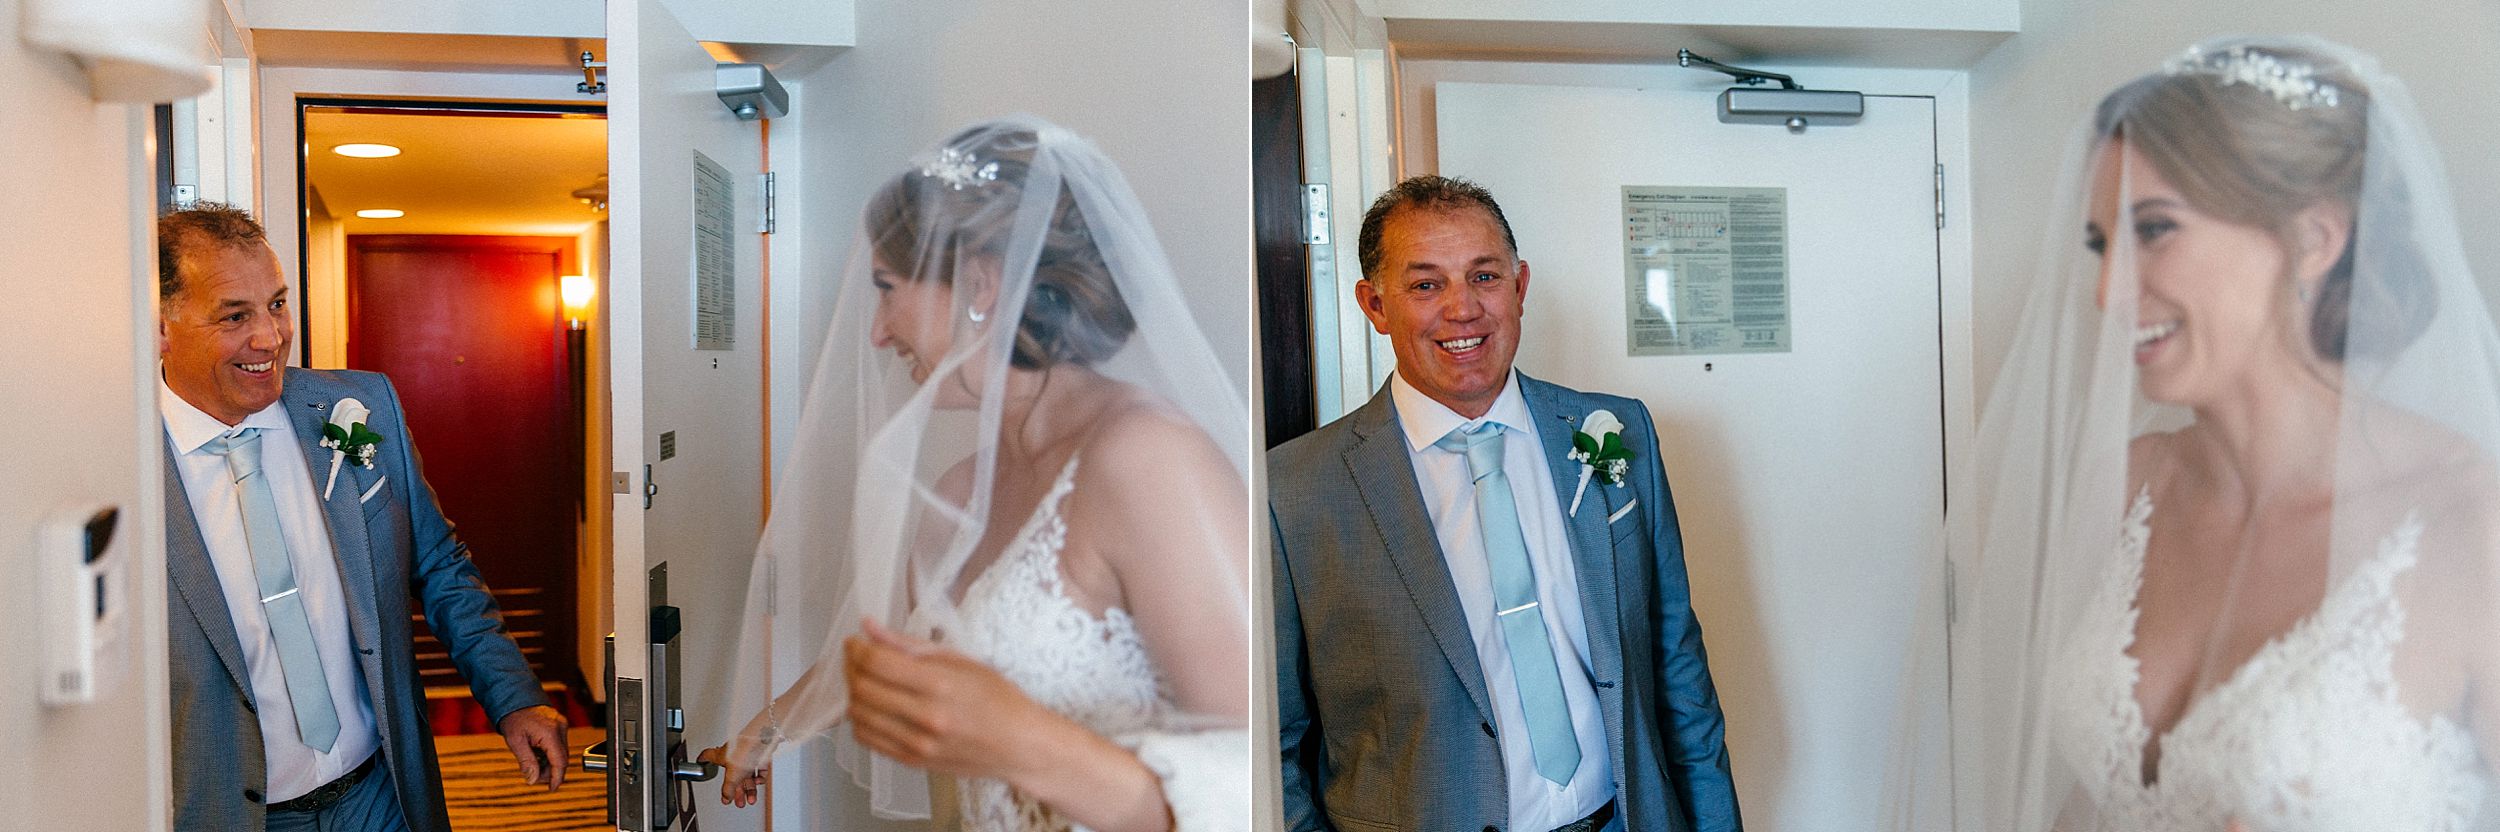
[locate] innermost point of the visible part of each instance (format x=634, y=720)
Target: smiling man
x=1482, y=617
x=292, y=562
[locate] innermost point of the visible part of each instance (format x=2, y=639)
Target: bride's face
x=915, y=319
x=920, y=320
x=2212, y=303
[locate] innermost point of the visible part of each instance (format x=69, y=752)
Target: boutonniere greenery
x=346, y=436
x=1598, y=447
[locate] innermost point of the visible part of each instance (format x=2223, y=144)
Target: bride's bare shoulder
x=2418, y=464
x=1136, y=431
x=2150, y=458
x=1142, y=457
x=1150, y=482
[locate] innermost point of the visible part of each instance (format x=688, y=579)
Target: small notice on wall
x=715, y=257
x=1705, y=270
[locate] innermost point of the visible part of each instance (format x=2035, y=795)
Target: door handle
x=694, y=770
x=595, y=758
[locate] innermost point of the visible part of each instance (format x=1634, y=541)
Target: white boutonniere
x=1598, y=447
x=346, y=436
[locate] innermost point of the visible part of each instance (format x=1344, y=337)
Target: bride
x=1011, y=543
x=2239, y=523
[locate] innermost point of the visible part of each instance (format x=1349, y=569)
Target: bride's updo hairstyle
x=962, y=205
x=2255, y=136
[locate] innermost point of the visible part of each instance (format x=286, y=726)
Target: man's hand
x=536, y=736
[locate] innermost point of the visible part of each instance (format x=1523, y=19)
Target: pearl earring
x=975, y=315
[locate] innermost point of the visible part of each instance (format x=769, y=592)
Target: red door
x=472, y=332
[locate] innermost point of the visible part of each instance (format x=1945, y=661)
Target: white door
x=687, y=409
x=1810, y=483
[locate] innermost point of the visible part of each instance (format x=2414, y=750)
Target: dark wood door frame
x=1289, y=389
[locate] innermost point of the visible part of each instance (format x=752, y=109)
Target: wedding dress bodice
x=1018, y=617
x=2308, y=735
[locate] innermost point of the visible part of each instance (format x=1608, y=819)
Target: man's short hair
x=201, y=228
x=1441, y=193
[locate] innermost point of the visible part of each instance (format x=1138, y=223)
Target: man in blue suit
x=293, y=548
x=1482, y=617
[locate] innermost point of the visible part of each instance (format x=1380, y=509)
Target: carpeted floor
x=484, y=789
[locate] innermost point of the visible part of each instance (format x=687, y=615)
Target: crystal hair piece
x=2290, y=82
x=959, y=169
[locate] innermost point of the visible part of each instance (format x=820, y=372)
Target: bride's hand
x=737, y=785
x=932, y=708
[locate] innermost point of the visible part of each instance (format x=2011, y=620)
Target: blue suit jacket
x=1384, y=717
x=390, y=545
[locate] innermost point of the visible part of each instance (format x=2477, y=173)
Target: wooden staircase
x=449, y=705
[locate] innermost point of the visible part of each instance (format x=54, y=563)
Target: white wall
x=1163, y=88
x=816, y=22
x=77, y=405
x=1417, y=141
x=2032, y=93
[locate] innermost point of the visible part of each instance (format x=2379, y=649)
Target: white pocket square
x=376, y=489
x=1621, y=512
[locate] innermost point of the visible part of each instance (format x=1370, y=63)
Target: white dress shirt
x=1450, y=498
x=294, y=768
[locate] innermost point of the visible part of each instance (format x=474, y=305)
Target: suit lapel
x=1385, y=474
x=349, y=546
x=1557, y=413
x=194, y=576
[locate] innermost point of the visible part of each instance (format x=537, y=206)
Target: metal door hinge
x=1940, y=196
x=1315, y=214
x=650, y=487
x=772, y=202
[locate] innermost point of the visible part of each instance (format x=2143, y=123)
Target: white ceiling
x=458, y=174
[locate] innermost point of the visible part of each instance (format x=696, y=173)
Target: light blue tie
x=1532, y=665
x=316, y=719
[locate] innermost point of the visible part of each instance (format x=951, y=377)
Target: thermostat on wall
x=76, y=567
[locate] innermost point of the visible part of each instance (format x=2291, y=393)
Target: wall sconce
x=577, y=290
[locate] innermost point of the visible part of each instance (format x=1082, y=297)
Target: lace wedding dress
x=2308, y=736
x=1017, y=617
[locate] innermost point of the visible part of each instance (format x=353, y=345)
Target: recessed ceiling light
x=366, y=151
x=381, y=213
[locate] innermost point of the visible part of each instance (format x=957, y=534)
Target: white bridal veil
x=1000, y=270
x=2337, y=609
